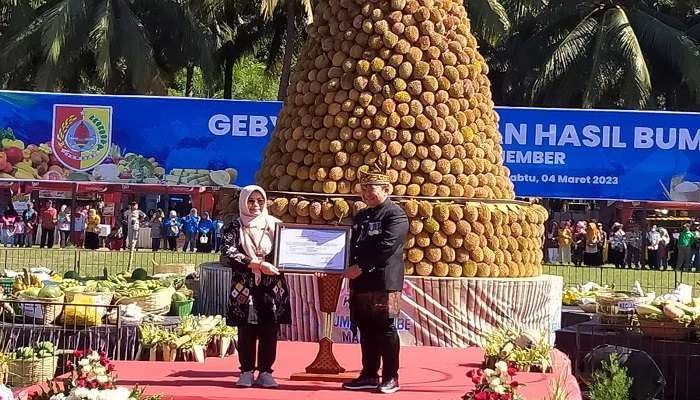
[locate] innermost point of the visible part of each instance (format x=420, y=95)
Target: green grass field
x=623, y=279
x=92, y=263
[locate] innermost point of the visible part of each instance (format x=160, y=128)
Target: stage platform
x=427, y=373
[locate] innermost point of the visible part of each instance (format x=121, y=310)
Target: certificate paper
x=312, y=248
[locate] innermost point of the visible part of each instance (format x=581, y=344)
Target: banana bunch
x=138, y=288
x=26, y=281
x=119, y=279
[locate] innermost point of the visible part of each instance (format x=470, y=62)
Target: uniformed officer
x=376, y=280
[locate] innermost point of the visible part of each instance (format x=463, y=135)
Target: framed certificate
x=312, y=248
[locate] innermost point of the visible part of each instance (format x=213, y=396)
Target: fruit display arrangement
x=455, y=239
x=401, y=83
x=39, y=351
x=402, y=78
x=201, y=177
x=29, y=285
x=122, y=285
x=670, y=310
x=583, y=295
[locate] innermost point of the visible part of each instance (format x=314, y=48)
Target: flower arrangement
x=494, y=384
x=91, y=378
x=526, y=351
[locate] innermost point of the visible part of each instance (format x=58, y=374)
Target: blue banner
x=602, y=154
x=591, y=154
x=132, y=139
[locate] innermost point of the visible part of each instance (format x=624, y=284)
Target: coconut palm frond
x=636, y=86
x=568, y=52
x=669, y=45
x=489, y=20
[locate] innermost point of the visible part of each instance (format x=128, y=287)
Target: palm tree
x=183, y=36
x=590, y=53
x=126, y=46
x=493, y=21
x=291, y=18
x=500, y=27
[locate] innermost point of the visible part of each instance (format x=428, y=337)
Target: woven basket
x=616, y=308
x=155, y=303
x=47, y=312
x=28, y=372
x=664, y=329
x=101, y=298
x=179, y=269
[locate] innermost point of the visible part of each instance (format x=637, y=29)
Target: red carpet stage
x=427, y=373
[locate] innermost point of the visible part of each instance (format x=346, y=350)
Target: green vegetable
x=50, y=292
x=177, y=296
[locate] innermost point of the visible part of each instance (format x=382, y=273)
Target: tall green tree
x=293, y=24
x=591, y=54
x=122, y=45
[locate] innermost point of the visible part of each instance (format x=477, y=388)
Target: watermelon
x=50, y=292
x=139, y=274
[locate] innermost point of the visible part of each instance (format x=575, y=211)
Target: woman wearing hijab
x=172, y=227
x=591, y=255
x=618, y=246
x=663, y=248
x=259, y=300
x=92, y=229
x=579, y=243
x=564, y=241
x=552, y=245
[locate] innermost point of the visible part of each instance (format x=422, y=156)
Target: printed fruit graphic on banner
x=39, y=162
x=402, y=79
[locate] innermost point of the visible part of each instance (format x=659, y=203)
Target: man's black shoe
x=361, y=383
x=389, y=386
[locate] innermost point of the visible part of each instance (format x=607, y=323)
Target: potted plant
x=223, y=336
x=498, y=346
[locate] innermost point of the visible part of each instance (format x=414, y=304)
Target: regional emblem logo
x=81, y=135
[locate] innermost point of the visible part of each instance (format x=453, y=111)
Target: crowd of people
x=201, y=233
x=588, y=243
x=81, y=228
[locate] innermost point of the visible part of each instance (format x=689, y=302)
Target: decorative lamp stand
x=325, y=367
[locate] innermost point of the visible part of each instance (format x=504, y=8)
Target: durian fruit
x=455, y=270
x=441, y=269
x=424, y=268
x=401, y=82
x=477, y=237
x=341, y=208
x=409, y=268
x=469, y=269
x=395, y=77
x=441, y=212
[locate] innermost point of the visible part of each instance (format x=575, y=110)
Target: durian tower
x=402, y=78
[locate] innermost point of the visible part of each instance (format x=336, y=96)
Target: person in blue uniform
x=376, y=278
